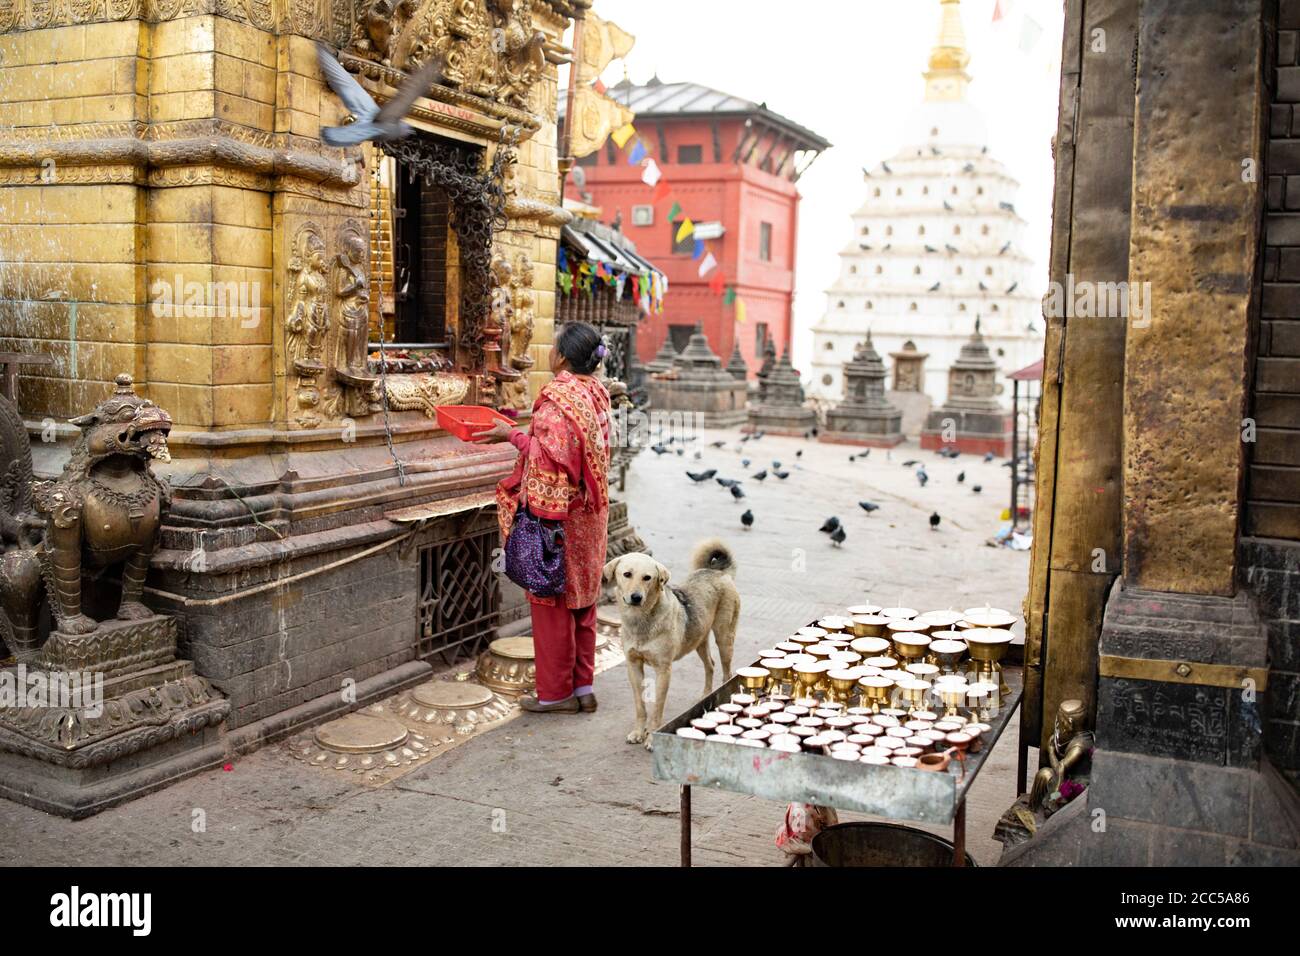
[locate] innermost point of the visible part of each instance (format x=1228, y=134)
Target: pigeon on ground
x=747, y=519
x=759, y=434
x=726, y=482
x=776, y=464
x=864, y=454
x=799, y=453
x=934, y=521
x=988, y=456
x=783, y=475
x=837, y=537
x=1004, y=249
x=853, y=458
x=868, y=506
x=911, y=463
x=921, y=477
x=947, y=205
x=701, y=476
x=698, y=455
x=759, y=475
x=744, y=463
x=658, y=449
x=681, y=452
x=370, y=121
x=930, y=248
x=961, y=476
x=976, y=488
x=716, y=444
x=830, y=524
x=736, y=492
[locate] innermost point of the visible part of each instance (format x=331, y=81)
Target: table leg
x=686, y=825
x=959, y=836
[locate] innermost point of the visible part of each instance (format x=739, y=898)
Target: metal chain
x=379, y=298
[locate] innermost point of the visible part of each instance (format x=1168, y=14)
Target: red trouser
x=564, y=647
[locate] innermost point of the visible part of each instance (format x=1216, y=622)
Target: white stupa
x=935, y=245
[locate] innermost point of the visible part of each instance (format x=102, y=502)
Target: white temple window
x=912, y=307
x=876, y=192
x=959, y=270
x=920, y=230
x=961, y=307
x=879, y=270
x=889, y=230
x=979, y=190
x=839, y=304
x=916, y=270
x=830, y=346
x=869, y=305
x=898, y=191
x=853, y=270
x=995, y=307
x=984, y=230
x=925, y=190
x=866, y=230
x=956, y=230
x=988, y=270
x=954, y=190
x=934, y=131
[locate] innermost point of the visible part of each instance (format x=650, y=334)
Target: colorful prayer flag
x=730, y=297
x=638, y=153
x=687, y=228
x=621, y=136
x=740, y=309
x=699, y=248
x=566, y=283
x=651, y=175
x=997, y=10
x=718, y=282
x=674, y=212
x=708, y=265
x=662, y=189
x=562, y=260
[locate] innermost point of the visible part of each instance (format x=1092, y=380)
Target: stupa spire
x=946, y=78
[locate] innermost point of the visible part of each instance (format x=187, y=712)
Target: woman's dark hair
x=581, y=344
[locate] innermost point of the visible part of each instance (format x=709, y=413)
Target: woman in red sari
x=563, y=474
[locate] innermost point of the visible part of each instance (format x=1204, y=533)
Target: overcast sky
x=851, y=71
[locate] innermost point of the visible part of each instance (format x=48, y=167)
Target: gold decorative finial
x=946, y=78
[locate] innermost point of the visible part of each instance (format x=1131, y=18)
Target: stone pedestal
x=909, y=368
x=972, y=419
x=780, y=408
x=865, y=417
x=698, y=385
x=664, y=358
x=137, y=718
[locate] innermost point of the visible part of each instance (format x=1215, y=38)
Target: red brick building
x=733, y=166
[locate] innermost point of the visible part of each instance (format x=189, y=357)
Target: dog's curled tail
x=713, y=555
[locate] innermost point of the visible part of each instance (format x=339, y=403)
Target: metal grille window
x=460, y=597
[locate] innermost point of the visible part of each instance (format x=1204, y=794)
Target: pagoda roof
x=659, y=100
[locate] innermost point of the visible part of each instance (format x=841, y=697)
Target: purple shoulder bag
x=535, y=553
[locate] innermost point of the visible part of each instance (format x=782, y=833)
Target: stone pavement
x=555, y=790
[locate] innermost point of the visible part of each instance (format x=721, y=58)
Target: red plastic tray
x=465, y=421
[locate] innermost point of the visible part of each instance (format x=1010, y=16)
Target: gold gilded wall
x=163, y=192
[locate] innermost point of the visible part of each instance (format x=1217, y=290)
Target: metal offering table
x=895, y=793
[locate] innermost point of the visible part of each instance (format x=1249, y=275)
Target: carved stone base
x=778, y=419
x=115, y=647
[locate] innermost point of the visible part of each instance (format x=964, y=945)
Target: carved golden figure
x=307, y=320
x=107, y=506
x=1071, y=751
x=522, y=317
x=353, y=291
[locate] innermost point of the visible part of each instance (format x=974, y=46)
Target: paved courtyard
x=554, y=790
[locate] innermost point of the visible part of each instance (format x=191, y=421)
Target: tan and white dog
x=662, y=623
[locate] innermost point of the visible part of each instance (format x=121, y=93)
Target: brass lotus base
x=367, y=742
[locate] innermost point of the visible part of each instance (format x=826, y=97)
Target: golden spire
x=946, y=78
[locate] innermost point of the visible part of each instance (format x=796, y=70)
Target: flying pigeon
x=934, y=521
x=983, y=287
x=727, y=482
x=1012, y=288
x=747, y=519
x=829, y=525
x=885, y=166
x=951, y=248
x=947, y=205
x=910, y=463
x=370, y=121
x=1004, y=249
x=934, y=288
x=837, y=537
x=701, y=476
x=1009, y=207
x=929, y=248
x=968, y=168
x=935, y=150
x=868, y=506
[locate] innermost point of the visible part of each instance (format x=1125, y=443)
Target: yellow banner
x=597, y=117
x=603, y=42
